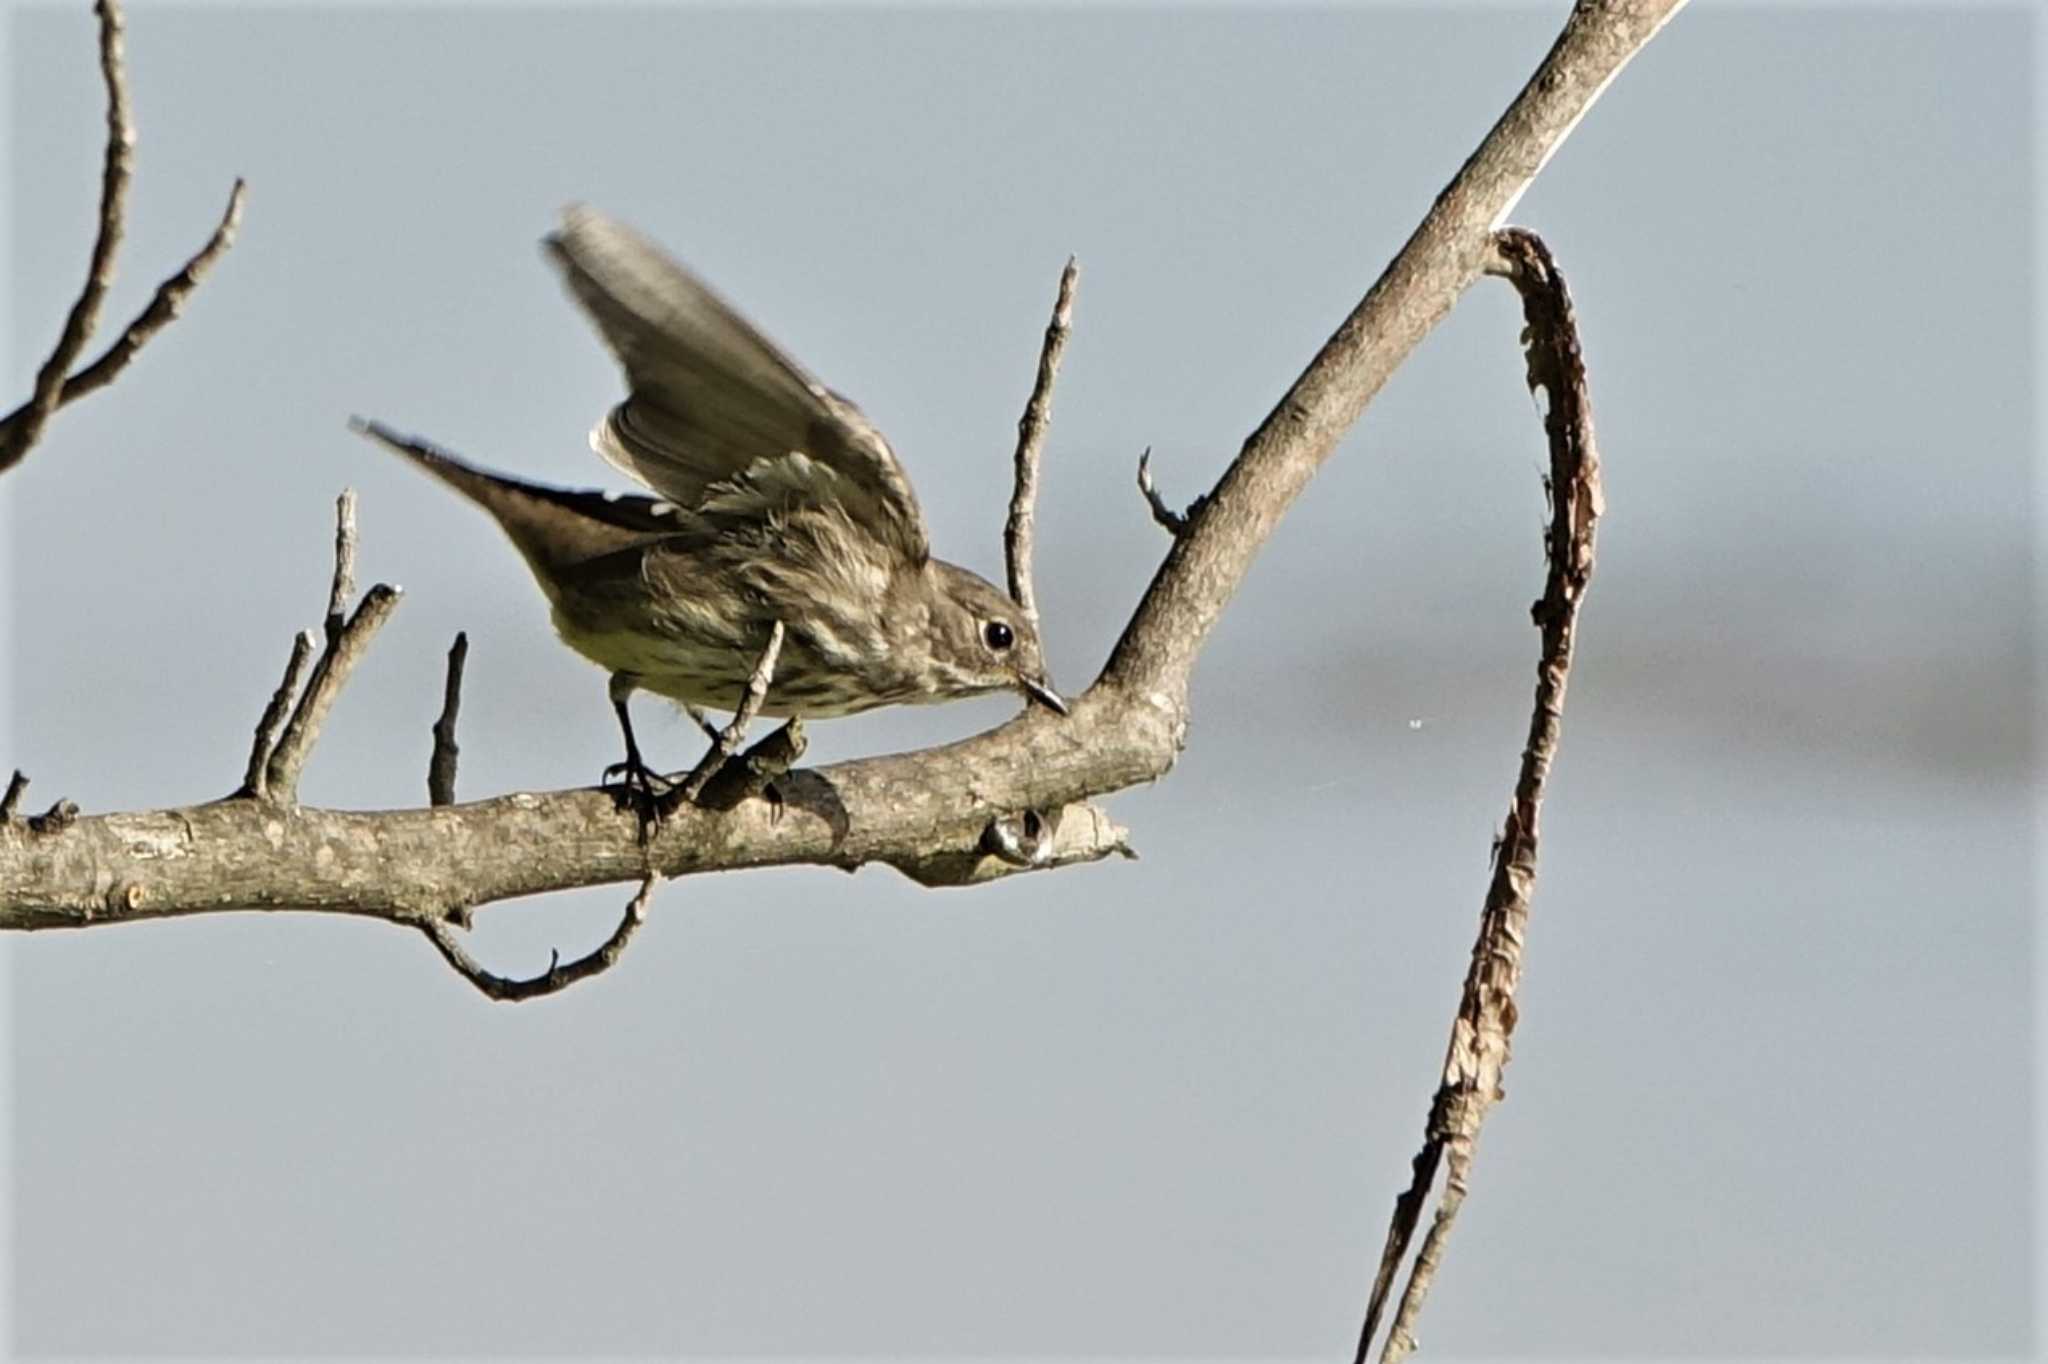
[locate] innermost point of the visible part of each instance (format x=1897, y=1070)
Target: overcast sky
x=1772, y=1089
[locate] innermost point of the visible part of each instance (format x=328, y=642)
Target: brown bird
x=778, y=502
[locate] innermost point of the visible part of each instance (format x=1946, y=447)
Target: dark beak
x=1043, y=694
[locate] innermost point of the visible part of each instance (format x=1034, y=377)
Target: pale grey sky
x=1772, y=1090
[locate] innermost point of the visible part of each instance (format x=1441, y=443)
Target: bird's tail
x=551, y=527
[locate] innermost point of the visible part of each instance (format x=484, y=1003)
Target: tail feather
x=552, y=527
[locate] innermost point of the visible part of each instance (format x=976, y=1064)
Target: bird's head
x=981, y=641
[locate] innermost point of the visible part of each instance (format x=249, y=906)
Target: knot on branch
x=1028, y=840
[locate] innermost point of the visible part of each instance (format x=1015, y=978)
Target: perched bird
x=778, y=502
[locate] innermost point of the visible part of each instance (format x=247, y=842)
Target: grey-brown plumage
x=777, y=501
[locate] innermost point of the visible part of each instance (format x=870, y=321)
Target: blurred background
x=1772, y=1091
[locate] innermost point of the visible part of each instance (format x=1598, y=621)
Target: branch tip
x=441, y=764
x=348, y=638
x=10, y=804
x=254, y=783
x=1172, y=522
x=1020, y=526
x=343, y=587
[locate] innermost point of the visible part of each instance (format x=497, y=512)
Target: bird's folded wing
x=719, y=419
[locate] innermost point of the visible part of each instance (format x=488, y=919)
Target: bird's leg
x=636, y=777
x=725, y=742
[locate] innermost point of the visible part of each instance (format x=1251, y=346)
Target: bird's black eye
x=998, y=635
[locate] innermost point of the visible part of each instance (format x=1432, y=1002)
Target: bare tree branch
x=1018, y=529
x=557, y=977
x=164, y=307
x=1478, y=1054
x=927, y=812
x=253, y=777
x=348, y=638
x=23, y=427
x=1443, y=255
x=441, y=765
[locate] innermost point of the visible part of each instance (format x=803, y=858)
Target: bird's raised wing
x=718, y=419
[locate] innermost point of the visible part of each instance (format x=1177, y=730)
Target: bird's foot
x=647, y=792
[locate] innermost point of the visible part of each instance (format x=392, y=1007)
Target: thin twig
x=441, y=766
x=25, y=428
x=728, y=740
x=1017, y=530
x=1478, y=1052
x=10, y=804
x=347, y=639
x=253, y=783
x=342, y=589
x=1172, y=522
x=164, y=308
x=558, y=976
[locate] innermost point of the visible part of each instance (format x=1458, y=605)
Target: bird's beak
x=1041, y=692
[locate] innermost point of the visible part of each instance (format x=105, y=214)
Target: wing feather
x=716, y=413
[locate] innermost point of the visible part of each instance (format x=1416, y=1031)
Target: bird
x=776, y=502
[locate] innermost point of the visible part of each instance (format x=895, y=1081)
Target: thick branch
x=906, y=810
x=1478, y=1053
x=914, y=811
x=1018, y=529
x=1443, y=256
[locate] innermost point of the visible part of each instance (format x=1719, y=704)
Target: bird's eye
x=998, y=635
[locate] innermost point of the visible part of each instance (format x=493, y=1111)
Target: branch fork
x=277, y=758
x=56, y=383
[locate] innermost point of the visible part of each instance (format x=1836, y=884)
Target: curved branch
x=557, y=977
x=1478, y=1053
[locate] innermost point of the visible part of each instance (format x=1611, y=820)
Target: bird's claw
x=651, y=795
